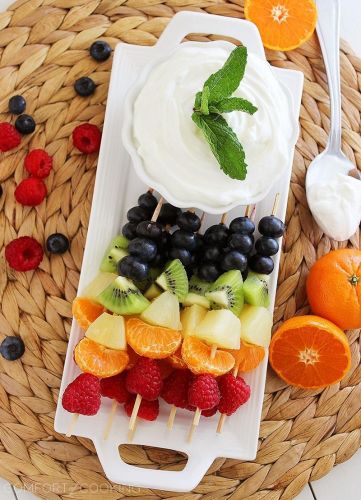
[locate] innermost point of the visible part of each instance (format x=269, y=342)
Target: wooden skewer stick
x=171, y=417
x=72, y=424
x=202, y=220
x=110, y=419
x=157, y=209
x=150, y=190
x=195, y=423
x=213, y=351
x=275, y=204
x=134, y=414
x=131, y=432
x=223, y=416
x=224, y=218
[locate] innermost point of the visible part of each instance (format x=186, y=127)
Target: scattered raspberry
x=9, y=137
x=114, y=388
x=86, y=138
x=203, y=392
x=144, y=379
x=148, y=410
x=82, y=395
x=30, y=192
x=234, y=393
x=38, y=163
x=24, y=254
x=175, y=388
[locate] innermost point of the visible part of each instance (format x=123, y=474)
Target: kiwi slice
x=153, y=292
x=174, y=279
x=144, y=285
x=198, y=286
x=115, y=252
x=123, y=297
x=193, y=298
x=255, y=289
x=227, y=292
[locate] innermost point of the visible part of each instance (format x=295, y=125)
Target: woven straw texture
x=43, y=49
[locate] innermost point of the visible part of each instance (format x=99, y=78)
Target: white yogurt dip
x=174, y=151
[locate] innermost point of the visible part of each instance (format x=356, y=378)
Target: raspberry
x=234, y=393
x=9, y=137
x=148, y=410
x=205, y=413
x=175, y=389
x=82, y=395
x=24, y=254
x=30, y=192
x=86, y=138
x=203, y=392
x=114, y=388
x=38, y=163
x=144, y=379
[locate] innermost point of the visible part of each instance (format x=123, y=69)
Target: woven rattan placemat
x=43, y=49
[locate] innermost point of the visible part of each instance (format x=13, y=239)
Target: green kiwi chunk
x=143, y=286
x=123, y=297
x=115, y=252
x=227, y=292
x=174, y=279
x=255, y=289
x=198, y=286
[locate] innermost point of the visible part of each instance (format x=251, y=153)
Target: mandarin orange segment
x=152, y=341
x=176, y=360
x=197, y=356
x=283, y=24
x=133, y=357
x=248, y=357
x=86, y=311
x=99, y=360
x=310, y=352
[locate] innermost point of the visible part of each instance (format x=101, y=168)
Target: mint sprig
x=214, y=100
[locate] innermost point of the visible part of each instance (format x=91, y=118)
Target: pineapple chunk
x=221, y=328
x=191, y=317
x=256, y=325
x=195, y=298
x=109, y=331
x=98, y=285
x=163, y=311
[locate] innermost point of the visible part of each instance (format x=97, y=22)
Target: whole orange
x=334, y=288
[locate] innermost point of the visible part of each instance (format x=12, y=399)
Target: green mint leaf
x=224, y=82
x=233, y=104
x=204, y=101
x=198, y=100
x=224, y=144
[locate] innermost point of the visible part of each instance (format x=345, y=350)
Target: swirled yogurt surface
x=174, y=151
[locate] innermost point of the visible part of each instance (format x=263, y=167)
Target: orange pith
x=248, y=357
x=310, y=352
x=283, y=24
x=152, y=341
x=197, y=356
x=99, y=360
x=176, y=360
x=86, y=311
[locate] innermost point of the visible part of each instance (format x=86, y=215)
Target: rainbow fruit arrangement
x=174, y=314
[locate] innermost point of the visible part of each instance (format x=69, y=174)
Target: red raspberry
x=148, y=410
x=24, y=254
x=175, y=389
x=205, y=413
x=114, y=388
x=145, y=379
x=30, y=192
x=203, y=392
x=9, y=137
x=86, y=138
x=234, y=393
x=82, y=395
x=38, y=163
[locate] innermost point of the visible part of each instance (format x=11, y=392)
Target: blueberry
x=208, y=272
x=57, y=243
x=84, y=86
x=267, y=246
x=165, y=241
x=234, y=260
x=148, y=201
x=143, y=248
x=159, y=260
x=261, y=264
x=271, y=226
x=168, y=214
x=216, y=235
x=130, y=230
x=184, y=239
x=12, y=348
x=189, y=221
x=150, y=229
x=242, y=225
x=100, y=50
x=137, y=214
x=182, y=254
x=25, y=124
x=212, y=254
x=17, y=104
x=241, y=242
x=199, y=241
x=133, y=268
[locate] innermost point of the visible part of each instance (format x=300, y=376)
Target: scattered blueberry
x=100, y=50
x=131, y=267
x=17, y=104
x=12, y=348
x=57, y=243
x=25, y=124
x=84, y=86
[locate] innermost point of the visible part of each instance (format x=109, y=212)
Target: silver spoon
x=336, y=207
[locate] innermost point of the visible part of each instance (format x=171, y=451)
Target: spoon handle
x=328, y=30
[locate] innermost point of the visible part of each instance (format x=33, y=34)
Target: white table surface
x=344, y=481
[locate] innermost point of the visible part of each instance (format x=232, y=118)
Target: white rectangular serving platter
x=116, y=189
